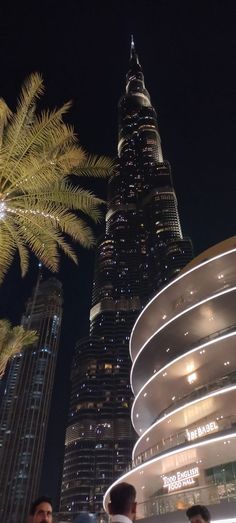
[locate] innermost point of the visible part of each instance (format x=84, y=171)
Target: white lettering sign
x=201, y=431
x=183, y=478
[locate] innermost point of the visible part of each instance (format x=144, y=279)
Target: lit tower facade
x=142, y=249
x=26, y=404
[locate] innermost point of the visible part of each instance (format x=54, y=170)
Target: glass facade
x=142, y=248
x=26, y=403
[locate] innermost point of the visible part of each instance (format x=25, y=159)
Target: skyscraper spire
x=132, y=46
x=134, y=77
x=133, y=54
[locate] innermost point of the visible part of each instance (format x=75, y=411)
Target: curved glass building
x=183, y=349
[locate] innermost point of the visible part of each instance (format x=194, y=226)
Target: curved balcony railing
x=191, y=285
x=199, y=343
x=208, y=495
x=200, y=392
x=179, y=438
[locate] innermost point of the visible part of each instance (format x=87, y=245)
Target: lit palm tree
x=38, y=203
x=13, y=340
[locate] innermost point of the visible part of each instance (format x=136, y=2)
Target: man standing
x=198, y=514
x=122, y=506
x=41, y=510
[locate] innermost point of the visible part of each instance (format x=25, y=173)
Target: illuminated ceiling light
x=202, y=351
x=137, y=415
x=164, y=316
x=190, y=368
x=226, y=363
x=147, y=439
x=220, y=276
x=143, y=487
x=191, y=292
x=164, y=374
x=154, y=371
x=167, y=350
x=186, y=333
x=145, y=394
x=191, y=378
x=173, y=398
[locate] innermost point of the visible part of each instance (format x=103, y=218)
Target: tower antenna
x=132, y=47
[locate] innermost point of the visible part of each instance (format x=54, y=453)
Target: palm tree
x=38, y=202
x=12, y=340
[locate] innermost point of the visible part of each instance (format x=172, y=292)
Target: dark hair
x=122, y=496
x=198, y=510
x=36, y=502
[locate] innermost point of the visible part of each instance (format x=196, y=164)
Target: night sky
x=188, y=53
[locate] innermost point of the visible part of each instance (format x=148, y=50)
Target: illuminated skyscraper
x=26, y=404
x=142, y=249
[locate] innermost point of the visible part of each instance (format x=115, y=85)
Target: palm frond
x=12, y=341
x=64, y=197
x=95, y=166
x=77, y=229
x=5, y=114
x=70, y=158
x=21, y=119
x=41, y=243
x=19, y=243
x=44, y=237
x=7, y=250
x=41, y=138
x=40, y=209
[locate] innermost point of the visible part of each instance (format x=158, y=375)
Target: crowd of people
x=122, y=508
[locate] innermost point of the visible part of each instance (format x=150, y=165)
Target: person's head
x=41, y=510
x=122, y=500
x=198, y=514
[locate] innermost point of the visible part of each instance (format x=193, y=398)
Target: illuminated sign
x=183, y=478
x=201, y=431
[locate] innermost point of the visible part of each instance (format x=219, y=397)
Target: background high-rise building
x=26, y=404
x=143, y=248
